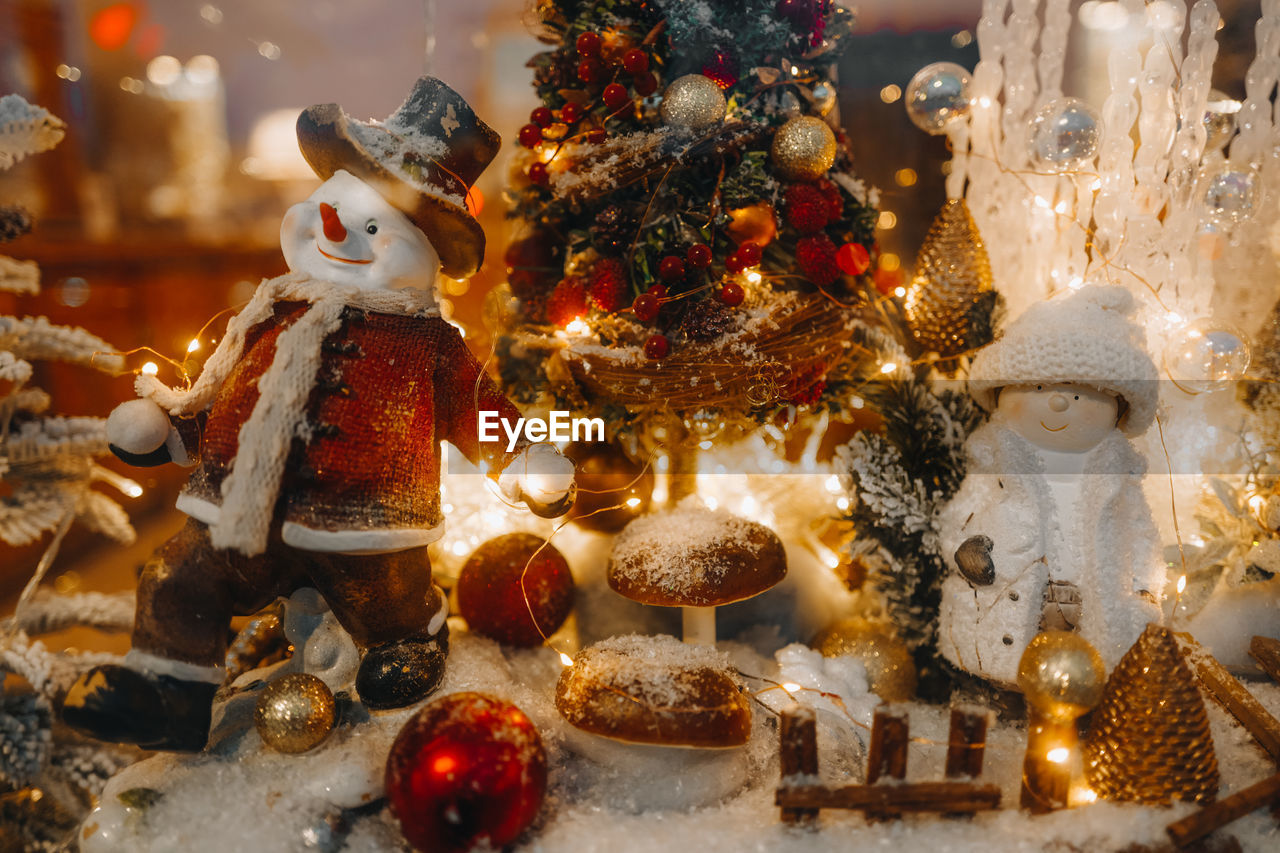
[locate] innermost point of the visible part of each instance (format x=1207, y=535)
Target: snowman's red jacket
x=364, y=474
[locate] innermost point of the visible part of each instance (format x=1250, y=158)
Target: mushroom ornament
x=1050, y=529
x=315, y=429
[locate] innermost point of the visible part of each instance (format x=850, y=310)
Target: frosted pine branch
x=36, y=338
x=48, y=612
x=48, y=438
x=103, y=515
x=33, y=401
x=26, y=738
x=22, y=277
x=13, y=369
x=26, y=129
x=31, y=511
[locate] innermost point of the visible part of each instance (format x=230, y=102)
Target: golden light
x=194, y=345
x=890, y=262
x=1257, y=502
x=576, y=327
x=900, y=291
x=833, y=484
x=890, y=93
x=1182, y=584
x=754, y=277
x=905, y=177
x=132, y=489
x=790, y=686
x=632, y=503
x=164, y=70
x=565, y=659
x=888, y=219
x=1058, y=755
x=150, y=368
x=888, y=367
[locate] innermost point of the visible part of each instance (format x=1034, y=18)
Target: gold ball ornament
x=803, y=149
x=1061, y=675
x=693, y=101
x=295, y=713
x=891, y=673
x=757, y=223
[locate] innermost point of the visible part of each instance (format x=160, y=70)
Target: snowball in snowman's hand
x=137, y=427
x=348, y=234
x=542, y=477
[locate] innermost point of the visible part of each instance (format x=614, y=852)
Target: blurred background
x=161, y=208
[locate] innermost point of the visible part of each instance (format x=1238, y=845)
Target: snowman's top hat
x=423, y=159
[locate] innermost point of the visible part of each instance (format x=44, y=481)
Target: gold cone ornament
x=1149, y=741
x=952, y=273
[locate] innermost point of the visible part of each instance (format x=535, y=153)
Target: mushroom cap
x=654, y=690
x=691, y=556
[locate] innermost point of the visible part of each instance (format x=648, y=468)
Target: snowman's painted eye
x=371, y=227
x=1077, y=396
x=1039, y=387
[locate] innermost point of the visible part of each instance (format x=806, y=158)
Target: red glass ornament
x=588, y=44
x=645, y=83
x=635, y=61
x=570, y=112
x=722, y=69
x=657, y=347
x=506, y=578
x=671, y=268
x=541, y=117
x=732, y=294
x=538, y=174
x=466, y=771
x=646, y=306
x=615, y=95
x=530, y=135
x=749, y=253
x=698, y=256
x=853, y=258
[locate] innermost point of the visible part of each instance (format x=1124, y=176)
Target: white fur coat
x=1112, y=549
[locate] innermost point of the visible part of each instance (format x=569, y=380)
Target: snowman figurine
x=1050, y=529
x=315, y=429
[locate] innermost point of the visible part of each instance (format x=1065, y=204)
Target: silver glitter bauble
x=1205, y=355
x=937, y=95
x=1063, y=135
x=693, y=101
x=1230, y=194
x=1219, y=120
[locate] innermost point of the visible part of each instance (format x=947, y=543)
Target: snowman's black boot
x=398, y=674
x=119, y=704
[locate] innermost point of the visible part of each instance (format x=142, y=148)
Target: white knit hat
x=1087, y=338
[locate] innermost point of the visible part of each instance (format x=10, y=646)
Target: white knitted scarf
x=250, y=489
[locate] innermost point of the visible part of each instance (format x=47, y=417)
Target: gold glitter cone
x=1149, y=741
x=952, y=271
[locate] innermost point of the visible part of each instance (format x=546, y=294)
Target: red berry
x=507, y=577
x=658, y=290
x=808, y=210
x=568, y=302
x=749, y=253
x=732, y=294
x=671, y=268
x=570, y=112
x=538, y=174
x=645, y=83
x=635, y=61
x=530, y=135
x=609, y=284
x=835, y=201
x=615, y=95
x=542, y=117
x=657, y=347
x=734, y=263
x=853, y=258
x=646, y=307
x=596, y=135
x=698, y=256
x=588, y=44
x=467, y=771
x=589, y=70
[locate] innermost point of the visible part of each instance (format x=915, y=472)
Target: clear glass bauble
x=1064, y=135
x=1206, y=355
x=937, y=95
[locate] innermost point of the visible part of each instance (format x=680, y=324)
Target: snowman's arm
x=141, y=433
x=462, y=392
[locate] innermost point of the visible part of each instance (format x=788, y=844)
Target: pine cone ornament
x=952, y=273
x=613, y=230
x=14, y=222
x=1149, y=741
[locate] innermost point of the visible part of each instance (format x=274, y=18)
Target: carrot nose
x=333, y=227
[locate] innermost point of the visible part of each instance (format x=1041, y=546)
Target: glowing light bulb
x=632, y=503
x=899, y=291
x=888, y=367
x=565, y=659
x=576, y=327
x=150, y=368
x=1182, y=584
x=754, y=277
x=194, y=345
x=833, y=484
x=1058, y=755
x=131, y=489
x=790, y=686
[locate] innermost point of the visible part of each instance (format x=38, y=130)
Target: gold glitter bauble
x=1061, y=675
x=757, y=223
x=294, y=713
x=803, y=149
x=952, y=269
x=693, y=101
x=1149, y=741
x=891, y=672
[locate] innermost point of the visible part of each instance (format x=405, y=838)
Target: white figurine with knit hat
x=1050, y=528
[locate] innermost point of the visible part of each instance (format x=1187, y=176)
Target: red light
x=111, y=26
x=444, y=765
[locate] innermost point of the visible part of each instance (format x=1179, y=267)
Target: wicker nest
x=799, y=340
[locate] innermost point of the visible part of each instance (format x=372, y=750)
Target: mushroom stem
x=699, y=625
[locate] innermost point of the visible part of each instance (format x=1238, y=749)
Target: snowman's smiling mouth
x=343, y=260
x=1051, y=429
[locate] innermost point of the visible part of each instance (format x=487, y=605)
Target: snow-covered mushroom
x=696, y=559
x=657, y=691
